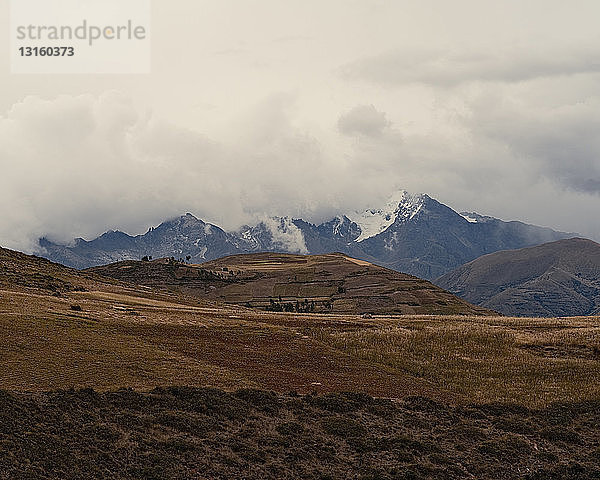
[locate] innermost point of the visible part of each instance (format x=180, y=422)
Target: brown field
x=188, y=433
x=120, y=339
x=443, y=377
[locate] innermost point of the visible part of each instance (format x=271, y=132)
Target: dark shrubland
x=183, y=432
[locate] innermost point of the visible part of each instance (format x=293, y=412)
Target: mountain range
x=555, y=279
x=413, y=234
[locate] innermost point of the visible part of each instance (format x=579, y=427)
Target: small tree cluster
x=298, y=307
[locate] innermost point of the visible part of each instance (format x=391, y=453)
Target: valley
x=63, y=328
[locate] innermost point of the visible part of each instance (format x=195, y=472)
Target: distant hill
x=63, y=328
x=28, y=272
x=555, y=279
x=414, y=234
x=333, y=283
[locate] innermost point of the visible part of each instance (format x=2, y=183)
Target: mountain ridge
x=560, y=278
x=414, y=234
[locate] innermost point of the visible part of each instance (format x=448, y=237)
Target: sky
x=310, y=109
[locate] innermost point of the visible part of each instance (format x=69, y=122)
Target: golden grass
x=125, y=338
x=527, y=361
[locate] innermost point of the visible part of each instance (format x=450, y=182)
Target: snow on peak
x=474, y=217
x=339, y=223
x=401, y=205
x=467, y=216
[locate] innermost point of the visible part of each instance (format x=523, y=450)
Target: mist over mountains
x=414, y=234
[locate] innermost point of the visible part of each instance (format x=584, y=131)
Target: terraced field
x=332, y=283
x=61, y=328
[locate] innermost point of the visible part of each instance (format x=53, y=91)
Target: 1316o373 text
x=47, y=51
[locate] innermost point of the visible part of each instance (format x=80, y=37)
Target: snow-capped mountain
x=340, y=228
x=375, y=221
x=410, y=233
x=180, y=237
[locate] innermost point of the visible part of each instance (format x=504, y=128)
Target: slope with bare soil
x=468, y=396
x=61, y=328
x=97, y=332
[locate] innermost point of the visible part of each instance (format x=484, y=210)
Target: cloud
x=528, y=152
x=79, y=165
x=559, y=142
x=286, y=235
x=363, y=120
x=451, y=68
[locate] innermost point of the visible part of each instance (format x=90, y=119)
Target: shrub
x=342, y=427
x=290, y=428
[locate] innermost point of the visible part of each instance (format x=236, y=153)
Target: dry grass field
x=466, y=396
x=485, y=359
x=120, y=340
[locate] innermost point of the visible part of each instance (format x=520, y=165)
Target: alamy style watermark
x=90, y=33
x=80, y=36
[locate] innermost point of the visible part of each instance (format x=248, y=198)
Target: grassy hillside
x=331, y=283
x=467, y=396
x=555, y=279
x=63, y=329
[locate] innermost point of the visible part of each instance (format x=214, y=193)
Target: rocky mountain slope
x=414, y=234
x=332, y=283
x=559, y=278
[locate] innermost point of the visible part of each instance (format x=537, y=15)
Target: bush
x=260, y=399
x=290, y=428
x=505, y=448
x=557, y=434
x=342, y=402
x=342, y=427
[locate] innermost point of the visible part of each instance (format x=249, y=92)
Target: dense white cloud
x=487, y=106
x=78, y=165
x=286, y=235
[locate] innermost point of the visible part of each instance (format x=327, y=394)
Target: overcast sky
x=313, y=108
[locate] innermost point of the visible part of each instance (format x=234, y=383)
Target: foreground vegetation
x=207, y=433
